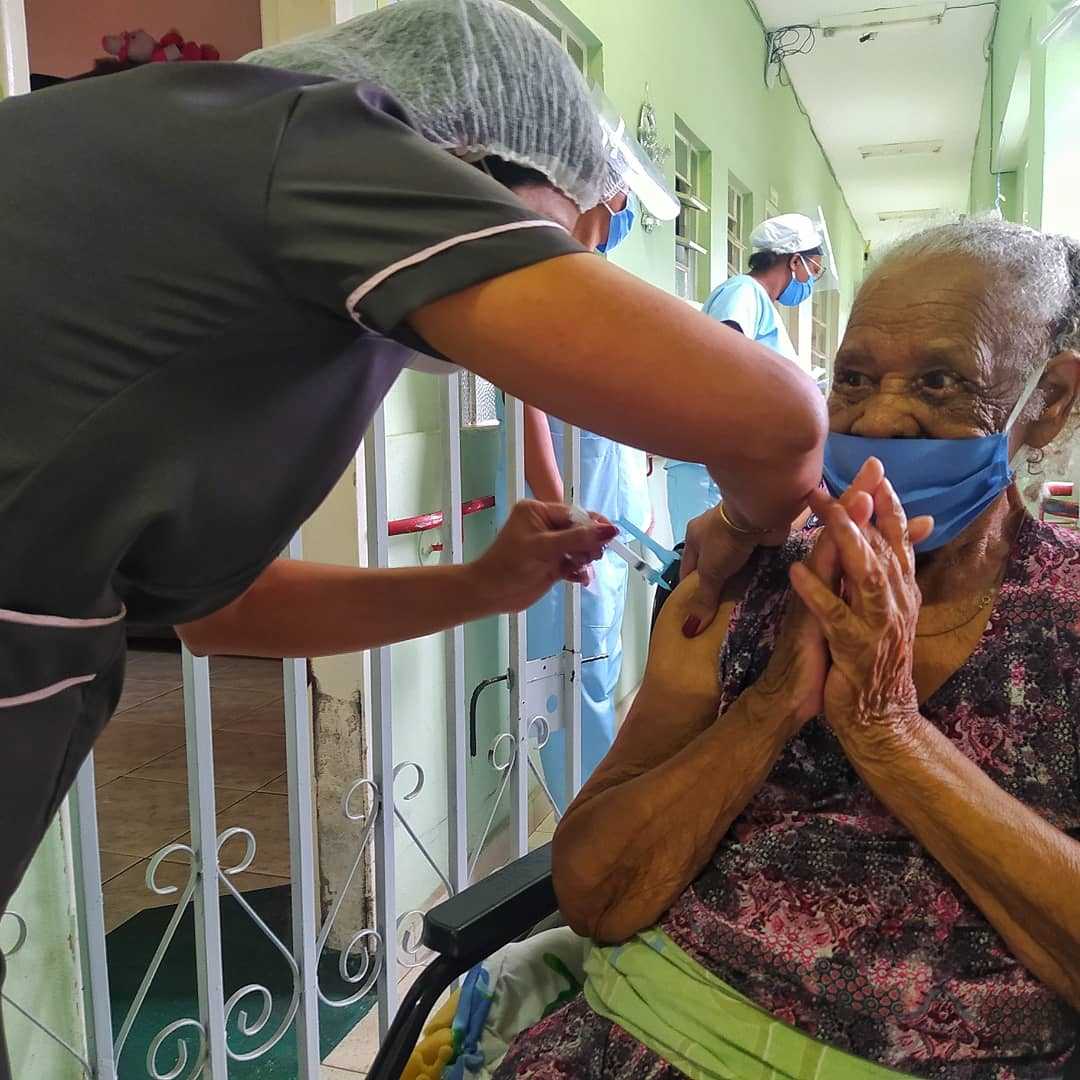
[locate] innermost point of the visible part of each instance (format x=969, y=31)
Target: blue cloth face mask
x=954, y=480
x=797, y=291
x=620, y=226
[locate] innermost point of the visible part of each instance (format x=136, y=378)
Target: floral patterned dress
x=823, y=909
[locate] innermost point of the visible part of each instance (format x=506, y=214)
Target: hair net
x=478, y=78
x=786, y=235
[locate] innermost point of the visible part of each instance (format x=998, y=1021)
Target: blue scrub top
x=743, y=301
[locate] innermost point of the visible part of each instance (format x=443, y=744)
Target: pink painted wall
x=65, y=36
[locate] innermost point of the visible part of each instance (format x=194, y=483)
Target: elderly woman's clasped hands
x=858, y=608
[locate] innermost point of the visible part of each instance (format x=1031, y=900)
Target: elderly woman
x=858, y=852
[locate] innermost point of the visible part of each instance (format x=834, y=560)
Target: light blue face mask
x=620, y=226
x=954, y=480
x=797, y=291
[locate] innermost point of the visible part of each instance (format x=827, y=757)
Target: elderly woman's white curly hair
x=1037, y=275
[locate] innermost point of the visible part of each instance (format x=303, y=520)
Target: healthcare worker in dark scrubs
x=211, y=275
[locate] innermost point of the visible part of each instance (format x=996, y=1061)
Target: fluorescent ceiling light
x=867, y=22
x=907, y=215
x=1061, y=22
x=902, y=149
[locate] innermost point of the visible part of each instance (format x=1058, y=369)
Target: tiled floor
x=352, y=1057
x=141, y=776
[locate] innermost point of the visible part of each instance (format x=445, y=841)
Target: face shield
x=828, y=281
x=628, y=160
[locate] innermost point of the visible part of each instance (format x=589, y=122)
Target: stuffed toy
x=138, y=47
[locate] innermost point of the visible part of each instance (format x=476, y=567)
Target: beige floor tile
x=245, y=673
x=267, y=816
x=328, y=1072
x=111, y=865
x=543, y=833
x=122, y=748
x=154, y=664
x=278, y=786
x=229, y=707
x=167, y=710
x=241, y=761
x=136, y=817
x=128, y=894
x=137, y=691
x=358, y=1049
x=105, y=776
x=268, y=719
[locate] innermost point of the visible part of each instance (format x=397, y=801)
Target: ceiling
x=908, y=84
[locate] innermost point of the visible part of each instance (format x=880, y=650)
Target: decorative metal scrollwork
x=248, y=1027
x=366, y=944
x=181, y=1051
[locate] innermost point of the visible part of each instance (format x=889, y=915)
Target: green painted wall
x=42, y=976
x=706, y=66
x=1015, y=41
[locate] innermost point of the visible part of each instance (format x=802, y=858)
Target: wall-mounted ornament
x=654, y=146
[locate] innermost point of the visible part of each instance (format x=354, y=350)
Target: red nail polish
x=691, y=626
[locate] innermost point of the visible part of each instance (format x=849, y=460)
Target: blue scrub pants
x=602, y=605
x=613, y=483
x=690, y=491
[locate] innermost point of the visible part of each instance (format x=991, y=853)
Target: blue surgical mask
x=797, y=291
x=619, y=228
x=953, y=480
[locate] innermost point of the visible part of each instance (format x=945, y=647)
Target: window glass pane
x=682, y=282
x=540, y=16
x=577, y=53
x=682, y=157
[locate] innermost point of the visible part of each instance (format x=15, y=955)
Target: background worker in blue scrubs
x=787, y=259
x=613, y=483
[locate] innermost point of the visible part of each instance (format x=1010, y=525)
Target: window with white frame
x=692, y=227
x=824, y=314
x=738, y=218
x=549, y=17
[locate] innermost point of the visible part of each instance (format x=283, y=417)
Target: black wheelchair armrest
x=464, y=930
x=493, y=912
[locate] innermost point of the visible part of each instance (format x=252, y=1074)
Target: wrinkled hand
x=870, y=635
x=796, y=674
x=538, y=546
x=718, y=554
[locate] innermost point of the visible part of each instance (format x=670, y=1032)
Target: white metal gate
x=204, y=1043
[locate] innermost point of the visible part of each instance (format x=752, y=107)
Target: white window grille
x=693, y=225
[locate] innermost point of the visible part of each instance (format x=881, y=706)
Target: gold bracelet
x=735, y=528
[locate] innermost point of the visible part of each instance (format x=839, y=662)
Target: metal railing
x=234, y=1023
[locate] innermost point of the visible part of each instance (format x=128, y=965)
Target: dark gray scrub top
x=204, y=275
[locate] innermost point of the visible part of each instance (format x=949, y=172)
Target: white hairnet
x=478, y=78
x=786, y=235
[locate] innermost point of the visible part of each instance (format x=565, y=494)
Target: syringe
x=631, y=557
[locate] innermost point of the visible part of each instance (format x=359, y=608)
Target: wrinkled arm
x=1021, y=871
x=657, y=807
x=585, y=341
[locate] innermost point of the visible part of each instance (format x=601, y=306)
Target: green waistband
x=702, y=1026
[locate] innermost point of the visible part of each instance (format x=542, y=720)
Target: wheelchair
x=504, y=907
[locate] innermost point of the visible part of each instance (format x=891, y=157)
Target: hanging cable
x=798, y=39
